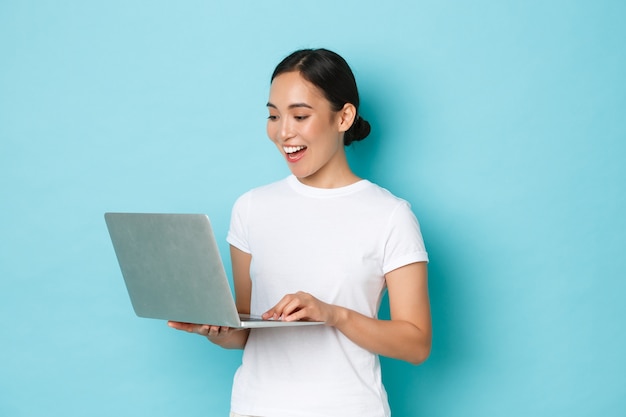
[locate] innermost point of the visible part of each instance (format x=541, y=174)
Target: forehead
x=290, y=87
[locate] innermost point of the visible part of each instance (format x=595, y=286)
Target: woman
x=321, y=245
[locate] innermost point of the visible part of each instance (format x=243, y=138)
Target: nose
x=280, y=130
x=285, y=129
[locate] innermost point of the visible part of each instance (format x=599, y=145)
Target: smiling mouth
x=294, y=152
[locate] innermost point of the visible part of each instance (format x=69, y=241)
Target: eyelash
x=298, y=118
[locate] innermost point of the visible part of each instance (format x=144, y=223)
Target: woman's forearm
x=397, y=339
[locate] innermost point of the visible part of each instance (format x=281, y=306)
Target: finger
x=295, y=316
x=216, y=331
x=293, y=309
x=188, y=327
x=277, y=311
x=306, y=308
x=269, y=314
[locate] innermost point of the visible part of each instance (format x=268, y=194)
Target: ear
x=346, y=117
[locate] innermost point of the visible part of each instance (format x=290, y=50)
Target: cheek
x=270, y=129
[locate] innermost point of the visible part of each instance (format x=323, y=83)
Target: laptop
x=173, y=270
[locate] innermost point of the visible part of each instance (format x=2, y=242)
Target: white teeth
x=292, y=149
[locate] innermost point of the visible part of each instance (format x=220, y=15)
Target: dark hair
x=330, y=73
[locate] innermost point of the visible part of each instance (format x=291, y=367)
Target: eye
x=272, y=118
x=301, y=118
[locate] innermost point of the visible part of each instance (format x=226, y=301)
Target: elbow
x=420, y=354
x=418, y=358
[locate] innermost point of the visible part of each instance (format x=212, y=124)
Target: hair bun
x=359, y=130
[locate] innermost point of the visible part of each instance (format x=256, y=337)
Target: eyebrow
x=292, y=106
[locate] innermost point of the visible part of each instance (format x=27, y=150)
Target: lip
x=293, y=158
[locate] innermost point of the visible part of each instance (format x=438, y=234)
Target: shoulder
x=264, y=190
x=392, y=212
x=383, y=197
x=262, y=194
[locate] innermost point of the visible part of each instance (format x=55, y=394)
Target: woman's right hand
x=206, y=330
x=220, y=335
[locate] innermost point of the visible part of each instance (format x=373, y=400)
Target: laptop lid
x=173, y=270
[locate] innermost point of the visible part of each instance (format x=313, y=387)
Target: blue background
x=502, y=122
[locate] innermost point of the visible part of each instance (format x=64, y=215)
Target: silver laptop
x=173, y=270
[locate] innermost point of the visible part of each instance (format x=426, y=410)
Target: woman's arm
x=407, y=336
x=227, y=337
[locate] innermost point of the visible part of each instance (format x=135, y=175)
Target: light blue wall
x=502, y=122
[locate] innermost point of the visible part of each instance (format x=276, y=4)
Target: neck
x=339, y=177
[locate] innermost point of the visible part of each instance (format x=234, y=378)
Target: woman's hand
x=207, y=330
x=226, y=337
x=303, y=306
x=406, y=336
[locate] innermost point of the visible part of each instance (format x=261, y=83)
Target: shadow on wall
x=415, y=390
x=394, y=108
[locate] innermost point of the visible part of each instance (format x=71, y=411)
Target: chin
x=300, y=174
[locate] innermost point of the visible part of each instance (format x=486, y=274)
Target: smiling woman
x=309, y=132
x=313, y=109
x=322, y=245
x=332, y=77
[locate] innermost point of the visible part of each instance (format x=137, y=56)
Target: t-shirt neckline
x=325, y=192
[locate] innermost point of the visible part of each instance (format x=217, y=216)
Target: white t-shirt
x=336, y=244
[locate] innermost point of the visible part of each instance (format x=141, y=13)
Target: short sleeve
x=404, y=244
x=238, y=231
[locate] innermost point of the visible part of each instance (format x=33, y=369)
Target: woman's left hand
x=302, y=306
